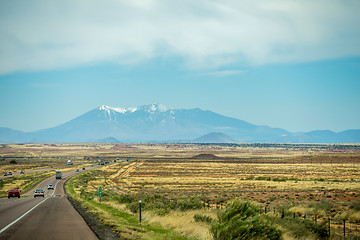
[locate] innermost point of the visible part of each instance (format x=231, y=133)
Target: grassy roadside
x=23, y=182
x=123, y=223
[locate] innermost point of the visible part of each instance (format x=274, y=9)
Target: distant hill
x=157, y=123
x=324, y=136
x=108, y=140
x=215, y=137
x=9, y=135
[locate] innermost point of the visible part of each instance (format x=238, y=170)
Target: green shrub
x=263, y=178
x=133, y=207
x=123, y=198
x=243, y=220
x=325, y=205
x=303, y=228
x=355, y=205
x=203, y=218
x=279, y=179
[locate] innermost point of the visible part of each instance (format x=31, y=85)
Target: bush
x=303, y=228
x=355, y=205
x=133, y=207
x=243, y=220
x=203, y=218
x=124, y=198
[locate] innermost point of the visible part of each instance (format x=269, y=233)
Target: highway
x=49, y=217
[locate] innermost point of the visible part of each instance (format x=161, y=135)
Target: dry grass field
x=320, y=182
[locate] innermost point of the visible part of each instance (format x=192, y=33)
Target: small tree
x=243, y=220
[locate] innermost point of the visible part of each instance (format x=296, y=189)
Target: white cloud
x=38, y=35
x=223, y=73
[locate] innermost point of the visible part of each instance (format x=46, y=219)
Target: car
x=50, y=186
x=14, y=193
x=83, y=168
x=77, y=170
x=92, y=165
x=22, y=172
x=5, y=174
x=39, y=192
x=10, y=173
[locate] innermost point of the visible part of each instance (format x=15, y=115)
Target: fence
x=337, y=228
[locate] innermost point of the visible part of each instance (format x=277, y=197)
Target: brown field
x=300, y=176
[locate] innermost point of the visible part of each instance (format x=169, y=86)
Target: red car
x=14, y=193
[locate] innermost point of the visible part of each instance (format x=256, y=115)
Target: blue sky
x=287, y=64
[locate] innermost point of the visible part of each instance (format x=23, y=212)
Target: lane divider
x=15, y=221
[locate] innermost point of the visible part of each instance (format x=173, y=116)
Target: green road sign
x=100, y=191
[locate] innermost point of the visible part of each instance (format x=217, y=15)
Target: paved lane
x=51, y=217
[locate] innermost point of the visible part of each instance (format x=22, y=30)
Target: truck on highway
x=69, y=162
x=58, y=175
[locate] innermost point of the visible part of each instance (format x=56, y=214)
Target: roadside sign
x=100, y=191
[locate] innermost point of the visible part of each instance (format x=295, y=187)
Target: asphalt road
x=49, y=217
x=37, y=170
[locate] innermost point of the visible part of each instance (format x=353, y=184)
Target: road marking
x=15, y=221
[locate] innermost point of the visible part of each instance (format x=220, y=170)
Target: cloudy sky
x=288, y=64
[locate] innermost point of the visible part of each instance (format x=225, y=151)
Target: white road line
x=2, y=230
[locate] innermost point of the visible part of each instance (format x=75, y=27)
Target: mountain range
x=157, y=123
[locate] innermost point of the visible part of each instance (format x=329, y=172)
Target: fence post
x=344, y=228
x=329, y=227
x=139, y=211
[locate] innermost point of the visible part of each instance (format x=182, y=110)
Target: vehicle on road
x=39, y=192
x=14, y=193
x=22, y=172
x=10, y=173
x=5, y=174
x=69, y=162
x=83, y=168
x=50, y=186
x=77, y=170
x=58, y=175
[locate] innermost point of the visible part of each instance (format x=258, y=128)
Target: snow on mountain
x=112, y=112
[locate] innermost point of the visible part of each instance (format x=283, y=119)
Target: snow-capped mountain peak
x=151, y=108
x=116, y=109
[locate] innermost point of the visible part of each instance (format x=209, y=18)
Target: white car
x=39, y=192
x=50, y=186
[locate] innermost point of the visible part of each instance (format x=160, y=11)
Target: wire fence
x=337, y=228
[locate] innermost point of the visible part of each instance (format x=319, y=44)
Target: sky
x=286, y=64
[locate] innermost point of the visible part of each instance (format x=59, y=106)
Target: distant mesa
x=206, y=156
x=108, y=140
x=215, y=137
